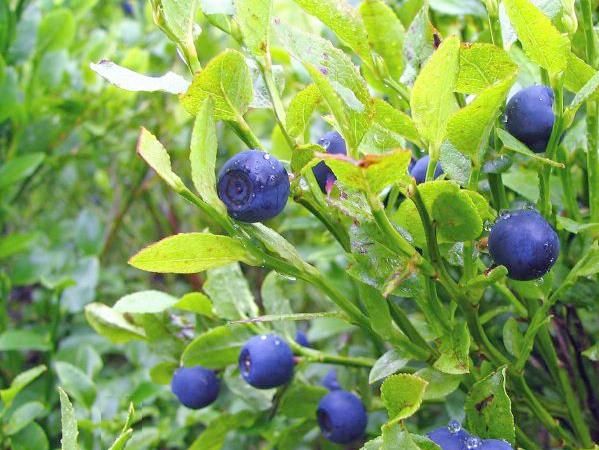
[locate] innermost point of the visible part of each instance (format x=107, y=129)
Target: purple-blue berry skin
x=254, y=186
x=341, y=416
x=302, y=339
x=524, y=243
x=333, y=143
x=449, y=440
x=127, y=8
x=495, y=444
x=195, y=387
x=330, y=381
x=529, y=116
x=418, y=170
x=266, y=361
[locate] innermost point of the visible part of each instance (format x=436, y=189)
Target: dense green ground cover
x=392, y=282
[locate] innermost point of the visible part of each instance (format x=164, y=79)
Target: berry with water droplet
x=524, y=243
x=333, y=143
x=341, y=417
x=451, y=437
x=266, y=361
x=254, y=186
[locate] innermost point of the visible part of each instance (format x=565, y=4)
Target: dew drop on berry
x=473, y=442
x=454, y=427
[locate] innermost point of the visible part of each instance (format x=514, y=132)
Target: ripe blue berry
x=529, y=116
x=494, y=444
x=451, y=437
x=302, y=339
x=341, y=417
x=333, y=143
x=330, y=381
x=418, y=170
x=195, y=387
x=266, y=361
x=254, y=186
x=525, y=243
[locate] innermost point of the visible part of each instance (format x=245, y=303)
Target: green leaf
x=189, y=253
x=511, y=143
x=300, y=110
x=378, y=311
x=343, y=20
x=385, y=34
x=440, y=384
x=23, y=416
x=402, y=395
x=433, y=100
x=254, y=18
x=512, y=337
x=76, y=383
x=455, y=348
x=578, y=73
x=24, y=340
x=542, y=42
x=162, y=373
x=576, y=227
x=592, y=352
x=111, y=324
x=196, y=302
x=178, y=22
x=32, y=436
x=489, y=409
x=588, y=90
x=121, y=441
x=276, y=244
x=456, y=216
x=301, y=401
x=150, y=302
x=19, y=383
x=230, y=293
x=389, y=126
x=276, y=302
x=19, y=168
x=255, y=399
x=338, y=81
x=482, y=66
x=374, y=172
x=130, y=80
x=450, y=226
x=216, y=348
x=469, y=128
x=154, y=153
x=213, y=437
x=388, y=364
x=69, y=423
x=56, y=31
x=228, y=80
x=203, y=155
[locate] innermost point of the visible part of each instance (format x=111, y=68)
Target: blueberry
x=195, y=387
x=254, y=186
x=529, y=116
x=525, y=243
x=333, y=143
x=330, y=381
x=451, y=437
x=302, y=339
x=418, y=170
x=494, y=444
x=266, y=361
x=341, y=417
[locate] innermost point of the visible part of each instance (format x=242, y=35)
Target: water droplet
x=473, y=442
x=263, y=337
x=325, y=143
x=454, y=427
x=272, y=178
x=303, y=184
x=266, y=156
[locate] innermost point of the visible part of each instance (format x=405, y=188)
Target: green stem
x=568, y=185
x=245, y=133
x=593, y=158
x=315, y=356
x=432, y=166
x=405, y=325
x=587, y=7
x=545, y=175
x=510, y=297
